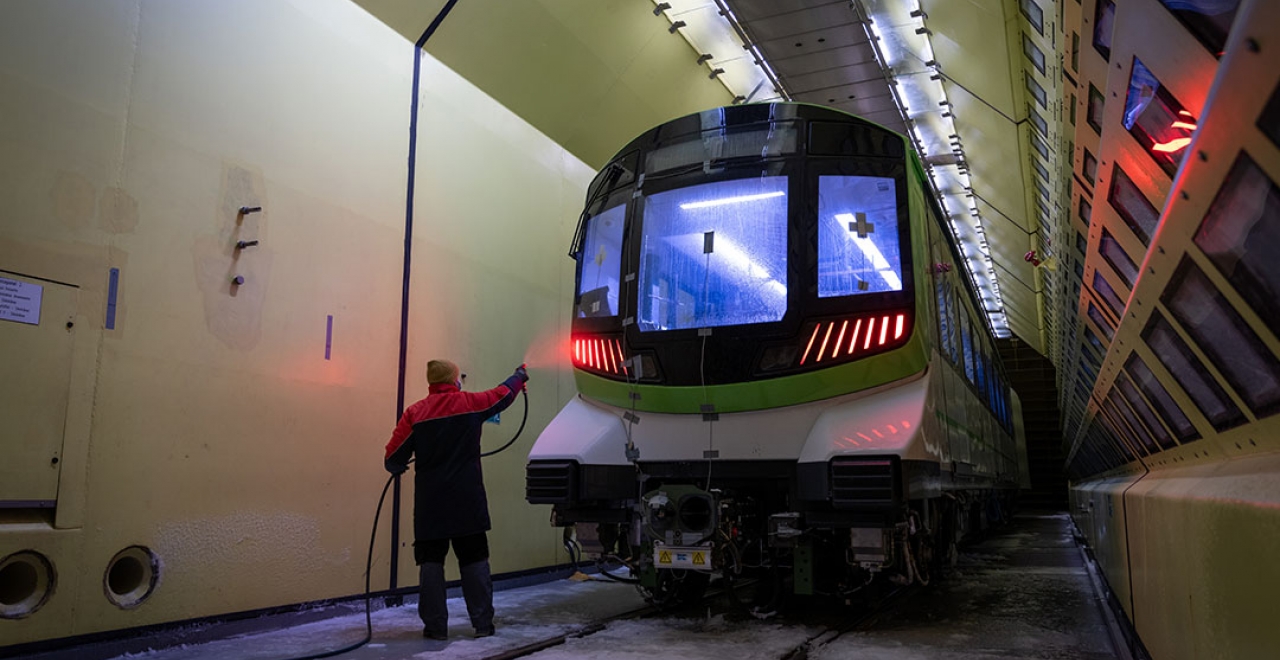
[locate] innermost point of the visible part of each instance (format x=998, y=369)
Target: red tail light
x=825, y=341
x=604, y=355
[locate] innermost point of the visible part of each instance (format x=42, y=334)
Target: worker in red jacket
x=450, y=506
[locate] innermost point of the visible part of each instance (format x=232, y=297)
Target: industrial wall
x=226, y=438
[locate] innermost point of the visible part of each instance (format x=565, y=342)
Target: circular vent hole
x=131, y=577
x=26, y=582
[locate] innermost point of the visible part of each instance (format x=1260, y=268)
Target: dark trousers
x=472, y=553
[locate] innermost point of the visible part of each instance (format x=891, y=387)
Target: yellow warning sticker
x=699, y=559
x=664, y=557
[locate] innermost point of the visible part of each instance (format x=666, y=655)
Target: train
x=782, y=367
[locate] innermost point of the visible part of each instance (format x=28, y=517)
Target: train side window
x=601, y=264
x=1208, y=21
x=1133, y=207
x=858, y=239
x=1085, y=210
x=1104, y=18
x=1100, y=321
x=1082, y=245
x=1039, y=145
x=1190, y=374
x=953, y=311
x=980, y=371
x=1089, y=167
x=1119, y=260
x=1130, y=394
x=1093, y=340
x=1094, y=114
x=1160, y=398
x=1156, y=120
x=1034, y=14
x=1269, y=121
x=1075, y=52
x=967, y=346
x=1037, y=92
x=1123, y=429
x=1038, y=121
x=1241, y=235
x=1224, y=337
x=1108, y=294
x=1034, y=54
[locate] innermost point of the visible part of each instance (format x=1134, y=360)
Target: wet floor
x=1022, y=593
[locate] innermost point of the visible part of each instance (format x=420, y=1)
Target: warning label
x=664, y=557
x=699, y=559
x=695, y=558
x=20, y=301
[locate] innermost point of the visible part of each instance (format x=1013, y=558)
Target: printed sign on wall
x=20, y=301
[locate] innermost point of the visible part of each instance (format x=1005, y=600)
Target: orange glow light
x=897, y=331
x=892, y=429
x=878, y=433
x=864, y=436
x=906, y=424
x=884, y=330
x=1172, y=145
x=825, y=339
x=1183, y=125
x=853, y=341
x=840, y=340
x=808, y=348
x=871, y=326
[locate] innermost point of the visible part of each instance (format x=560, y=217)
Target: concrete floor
x=1025, y=592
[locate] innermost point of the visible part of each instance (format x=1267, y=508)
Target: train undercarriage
x=823, y=533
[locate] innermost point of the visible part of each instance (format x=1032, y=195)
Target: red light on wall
x=1172, y=145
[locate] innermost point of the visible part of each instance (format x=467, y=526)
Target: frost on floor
x=524, y=615
x=686, y=639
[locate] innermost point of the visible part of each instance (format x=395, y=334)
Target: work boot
x=477, y=590
x=432, y=608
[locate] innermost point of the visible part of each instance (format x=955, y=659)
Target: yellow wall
x=207, y=425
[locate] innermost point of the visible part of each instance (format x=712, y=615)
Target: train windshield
x=714, y=254
x=858, y=239
x=601, y=263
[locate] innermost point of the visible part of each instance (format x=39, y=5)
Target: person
x=450, y=507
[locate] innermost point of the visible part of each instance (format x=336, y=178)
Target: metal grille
x=863, y=483
x=550, y=482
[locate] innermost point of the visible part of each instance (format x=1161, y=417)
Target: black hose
x=368, y=569
x=518, y=431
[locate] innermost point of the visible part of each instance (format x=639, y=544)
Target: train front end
x=744, y=339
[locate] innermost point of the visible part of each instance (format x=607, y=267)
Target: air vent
x=551, y=482
x=863, y=483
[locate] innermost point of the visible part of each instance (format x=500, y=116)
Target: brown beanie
x=442, y=371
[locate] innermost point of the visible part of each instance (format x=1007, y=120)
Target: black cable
x=368, y=569
x=518, y=431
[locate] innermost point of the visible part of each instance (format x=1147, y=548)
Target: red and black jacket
x=443, y=432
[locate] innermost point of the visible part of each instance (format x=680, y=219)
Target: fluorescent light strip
x=731, y=200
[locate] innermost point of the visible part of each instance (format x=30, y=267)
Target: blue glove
x=394, y=468
x=522, y=373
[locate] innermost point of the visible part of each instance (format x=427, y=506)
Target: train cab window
x=1104, y=19
x=1033, y=53
x=1190, y=374
x=1127, y=199
x=859, y=249
x=1034, y=14
x=1208, y=20
x=1037, y=92
x=1241, y=235
x=1224, y=337
x=1097, y=102
x=600, y=264
x=1156, y=120
x=1115, y=255
x=1089, y=167
x=1108, y=294
x=1100, y=321
x=1160, y=399
x=714, y=254
x=1130, y=395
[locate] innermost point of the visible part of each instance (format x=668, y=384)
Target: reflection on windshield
x=601, y=263
x=858, y=246
x=714, y=254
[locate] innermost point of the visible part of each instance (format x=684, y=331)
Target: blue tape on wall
x=113, y=286
x=328, y=336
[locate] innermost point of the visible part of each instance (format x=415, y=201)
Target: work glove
x=395, y=468
x=522, y=373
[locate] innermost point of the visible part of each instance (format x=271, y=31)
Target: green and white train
x=781, y=364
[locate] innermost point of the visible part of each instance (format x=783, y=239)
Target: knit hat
x=442, y=371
